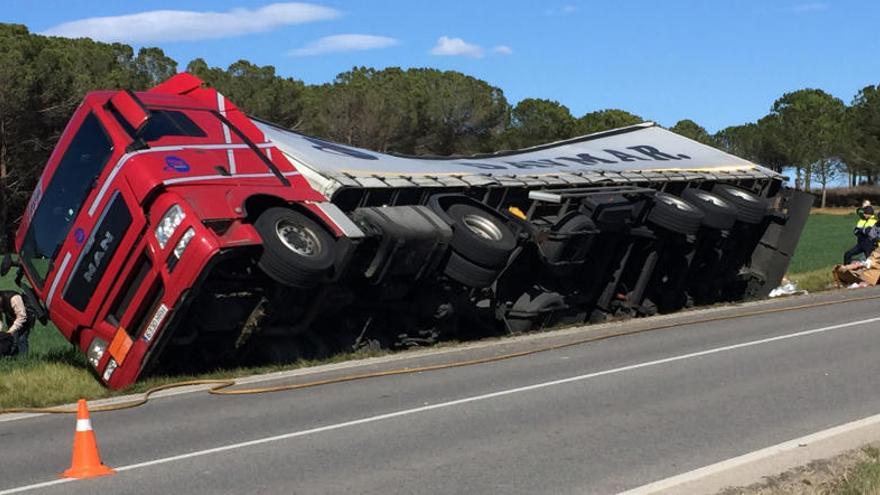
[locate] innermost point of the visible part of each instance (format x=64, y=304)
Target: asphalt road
x=594, y=418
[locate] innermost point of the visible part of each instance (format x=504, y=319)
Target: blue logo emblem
x=79, y=235
x=176, y=164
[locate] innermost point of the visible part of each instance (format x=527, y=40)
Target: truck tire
x=480, y=237
x=554, y=250
x=718, y=213
x=297, y=252
x=527, y=309
x=675, y=214
x=468, y=273
x=751, y=208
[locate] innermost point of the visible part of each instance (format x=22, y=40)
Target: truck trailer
x=171, y=232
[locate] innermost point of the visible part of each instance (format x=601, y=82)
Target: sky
x=719, y=63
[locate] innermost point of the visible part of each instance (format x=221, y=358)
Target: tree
x=604, y=120
x=456, y=113
x=826, y=170
x=152, y=67
x=807, y=129
x=861, y=134
x=753, y=141
x=257, y=90
x=690, y=129
x=741, y=140
x=535, y=121
x=365, y=107
x=413, y=111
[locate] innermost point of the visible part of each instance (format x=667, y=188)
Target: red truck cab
x=141, y=193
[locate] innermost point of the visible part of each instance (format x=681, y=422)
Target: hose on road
x=224, y=386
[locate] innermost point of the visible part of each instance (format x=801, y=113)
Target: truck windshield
x=64, y=195
x=160, y=124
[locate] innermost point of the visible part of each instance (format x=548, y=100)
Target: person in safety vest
x=866, y=233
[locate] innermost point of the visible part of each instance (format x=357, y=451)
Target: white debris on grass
x=788, y=288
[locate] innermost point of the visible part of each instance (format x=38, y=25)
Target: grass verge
x=856, y=472
x=864, y=478
x=814, y=280
x=61, y=379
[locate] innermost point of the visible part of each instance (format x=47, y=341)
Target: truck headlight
x=184, y=242
x=168, y=224
x=108, y=371
x=96, y=351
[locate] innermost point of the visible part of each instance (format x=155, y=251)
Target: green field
x=823, y=242
x=55, y=372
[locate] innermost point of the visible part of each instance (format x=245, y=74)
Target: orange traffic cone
x=86, y=462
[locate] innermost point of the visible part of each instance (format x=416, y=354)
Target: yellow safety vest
x=865, y=223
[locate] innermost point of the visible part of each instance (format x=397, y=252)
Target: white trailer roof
x=612, y=156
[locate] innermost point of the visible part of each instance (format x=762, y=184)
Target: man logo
x=176, y=164
x=99, y=256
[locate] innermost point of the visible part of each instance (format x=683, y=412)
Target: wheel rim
x=298, y=238
x=742, y=195
x=677, y=203
x=482, y=227
x=715, y=200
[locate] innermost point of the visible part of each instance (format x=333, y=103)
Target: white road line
x=458, y=402
x=757, y=455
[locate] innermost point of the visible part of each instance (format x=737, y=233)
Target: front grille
x=98, y=252
x=129, y=287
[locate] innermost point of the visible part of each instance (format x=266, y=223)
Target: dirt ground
x=820, y=477
x=834, y=211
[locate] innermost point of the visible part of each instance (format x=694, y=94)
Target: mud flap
x=771, y=257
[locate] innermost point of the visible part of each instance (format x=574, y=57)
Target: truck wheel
x=297, y=252
x=480, y=237
x=675, y=214
x=751, y=208
x=527, y=310
x=719, y=213
x=467, y=273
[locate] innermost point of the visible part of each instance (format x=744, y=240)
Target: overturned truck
x=170, y=231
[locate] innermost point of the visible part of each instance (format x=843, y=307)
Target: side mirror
x=131, y=109
x=6, y=265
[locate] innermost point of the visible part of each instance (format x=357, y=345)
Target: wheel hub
x=298, y=238
x=482, y=227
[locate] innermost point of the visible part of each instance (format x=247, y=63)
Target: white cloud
x=186, y=25
x=810, y=7
x=343, y=43
x=502, y=50
x=456, y=46
x=564, y=10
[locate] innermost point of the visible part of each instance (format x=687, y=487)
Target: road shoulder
x=766, y=464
